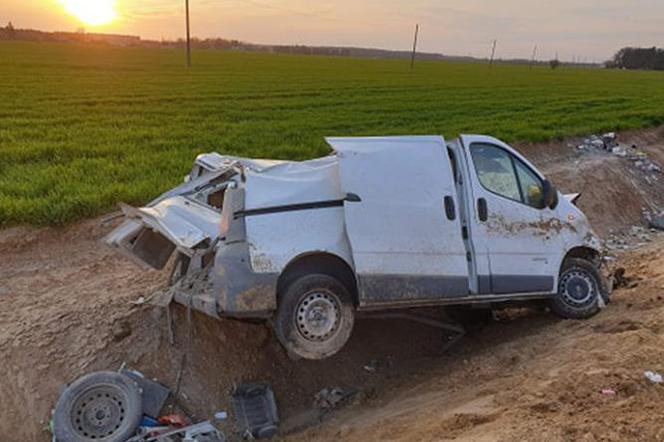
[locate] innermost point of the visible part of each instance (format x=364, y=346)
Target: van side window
x=495, y=170
x=532, y=187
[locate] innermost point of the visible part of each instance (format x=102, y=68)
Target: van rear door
x=185, y=218
x=403, y=227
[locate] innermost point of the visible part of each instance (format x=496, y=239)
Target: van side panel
x=275, y=239
x=404, y=229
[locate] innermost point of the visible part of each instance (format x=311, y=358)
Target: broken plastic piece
x=653, y=377
x=174, y=420
x=154, y=394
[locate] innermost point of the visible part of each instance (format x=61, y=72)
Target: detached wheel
x=100, y=407
x=315, y=317
x=580, y=287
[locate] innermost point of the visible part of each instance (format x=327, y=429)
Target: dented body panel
x=416, y=220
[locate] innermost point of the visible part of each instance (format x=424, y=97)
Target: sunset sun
x=91, y=12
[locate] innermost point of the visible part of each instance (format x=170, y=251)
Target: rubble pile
x=608, y=143
x=635, y=237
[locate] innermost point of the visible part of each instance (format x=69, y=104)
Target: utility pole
x=186, y=4
x=532, y=59
x=493, y=52
x=412, y=56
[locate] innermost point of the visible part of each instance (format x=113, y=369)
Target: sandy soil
x=66, y=309
x=531, y=377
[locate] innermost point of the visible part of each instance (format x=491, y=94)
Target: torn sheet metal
x=184, y=222
x=294, y=182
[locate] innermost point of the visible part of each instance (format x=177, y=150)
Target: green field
x=82, y=128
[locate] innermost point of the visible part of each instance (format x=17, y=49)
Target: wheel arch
x=319, y=262
x=582, y=252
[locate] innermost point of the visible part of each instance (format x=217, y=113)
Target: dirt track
x=67, y=309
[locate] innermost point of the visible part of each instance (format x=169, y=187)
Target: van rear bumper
x=230, y=287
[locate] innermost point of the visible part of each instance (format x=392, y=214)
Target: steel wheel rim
x=99, y=411
x=578, y=288
x=318, y=315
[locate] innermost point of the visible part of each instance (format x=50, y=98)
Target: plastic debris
x=329, y=398
x=608, y=392
x=174, y=420
x=608, y=143
x=221, y=415
x=200, y=432
x=371, y=367
x=653, y=377
x=655, y=221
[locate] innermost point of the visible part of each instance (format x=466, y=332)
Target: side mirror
x=550, y=195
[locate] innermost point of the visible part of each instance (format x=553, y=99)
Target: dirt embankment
x=67, y=309
x=614, y=191
x=531, y=377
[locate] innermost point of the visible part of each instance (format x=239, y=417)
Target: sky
x=590, y=30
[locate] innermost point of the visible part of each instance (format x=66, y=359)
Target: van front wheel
x=315, y=317
x=581, y=290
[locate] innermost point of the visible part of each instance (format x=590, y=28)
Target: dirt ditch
x=68, y=309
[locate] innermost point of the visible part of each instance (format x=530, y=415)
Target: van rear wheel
x=315, y=317
x=581, y=290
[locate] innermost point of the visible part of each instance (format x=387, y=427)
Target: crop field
x=83, y=128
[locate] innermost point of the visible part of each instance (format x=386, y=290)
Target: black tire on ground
x=100, y=407
x=315, y=316
x=580, y=287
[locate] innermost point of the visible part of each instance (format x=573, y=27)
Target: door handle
x=482, y=209
x=450, y=210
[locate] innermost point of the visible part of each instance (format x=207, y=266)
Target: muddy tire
x=100, y=407
x=580, y=287
x=315, y=317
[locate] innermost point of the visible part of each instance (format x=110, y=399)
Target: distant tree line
x=638, y=58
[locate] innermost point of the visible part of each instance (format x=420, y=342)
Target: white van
x=382, y=223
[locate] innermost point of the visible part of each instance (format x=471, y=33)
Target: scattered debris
x=653, y=377
x=620, y=280
x=221, y=415
x=103, y=405
x=655, y=221
x=635, y=237
x=255, y=411
x=174, y=420
x=372, y=366
x=329, y=398
x=154, y=394
x=123, y=406
x=608, y=143
x=200, y=432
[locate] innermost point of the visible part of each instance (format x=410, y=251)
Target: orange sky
x=591, y=29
